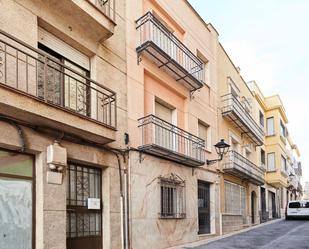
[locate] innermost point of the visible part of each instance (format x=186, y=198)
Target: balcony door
x=165, y=133
x=65, y=71
x=203, y=207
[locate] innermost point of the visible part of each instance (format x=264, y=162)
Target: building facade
x=63, y=110
x=242, y=174
x=279, y=155
x=172, y=122
x=108, y=117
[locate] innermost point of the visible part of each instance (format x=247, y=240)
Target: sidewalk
x=206, y=241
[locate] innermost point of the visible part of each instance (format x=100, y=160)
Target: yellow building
x=238, y=124
x=277, y=156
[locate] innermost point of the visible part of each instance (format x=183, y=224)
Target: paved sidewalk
x=213, y=239
x=276, y=235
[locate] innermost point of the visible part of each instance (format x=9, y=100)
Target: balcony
x=106, y=7
x=94, y=17
x=241, y=167
x=169, y=53
x=39, y=89
x=235, y=112
x=165, y=140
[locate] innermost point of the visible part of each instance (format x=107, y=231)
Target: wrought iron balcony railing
x=165, y=140
x=168, y=52
x=236, y=113
x=107, y=7
x=32, y=72
x=236, y=164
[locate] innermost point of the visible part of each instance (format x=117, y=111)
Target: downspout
x=122, y=206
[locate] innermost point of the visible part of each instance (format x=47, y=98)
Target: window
x=271, y=165
x=172, y=197
x=294, y=205
x=205, y=71
x=164, y=112
x=283, y=164
x=235, y=199
x=204, y=132
x=262, y=157
x=282, y=129
x=270, y=127
x=261, y=119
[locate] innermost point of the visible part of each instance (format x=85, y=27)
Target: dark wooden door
x=252, y=207
x=84, y=225
x=273, y=202
x=203, y=207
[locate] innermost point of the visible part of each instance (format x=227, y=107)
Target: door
x=16, y=201
x=253, y=196
x=273, y=204
x=203, y=207
x=84, y=208
x=263, y=205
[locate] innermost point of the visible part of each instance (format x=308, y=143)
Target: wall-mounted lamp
x=221, y=148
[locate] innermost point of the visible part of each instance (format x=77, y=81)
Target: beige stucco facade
x=140, y=95
x=84, y=28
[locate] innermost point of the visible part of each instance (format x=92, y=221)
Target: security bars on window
x=172, y=197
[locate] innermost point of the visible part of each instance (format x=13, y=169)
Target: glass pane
x=15, y=163
x=15, y=213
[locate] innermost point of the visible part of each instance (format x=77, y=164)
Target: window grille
x=172, y=197
x=235, y=199
x=83, y=183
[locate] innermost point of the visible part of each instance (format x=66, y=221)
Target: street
x=279, y=235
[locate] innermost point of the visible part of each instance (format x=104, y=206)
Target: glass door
x=16, y=200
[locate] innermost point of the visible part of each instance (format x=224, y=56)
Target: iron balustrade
x=167, y=140
x=107, y=7
x=169, y=51
x=236, y=113
x=240, y=166
x=34, y=73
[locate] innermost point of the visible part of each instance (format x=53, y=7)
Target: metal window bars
x=236, y=113
x=172, y=197
x=107, y=7
x=171, y=142
x=38, y=75
x=240, y=166
x=169, y=52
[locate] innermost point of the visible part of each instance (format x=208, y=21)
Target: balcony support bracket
x=141, y=158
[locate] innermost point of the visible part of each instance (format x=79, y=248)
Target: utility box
x=56, y=154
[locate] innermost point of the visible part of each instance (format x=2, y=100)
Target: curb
x=206, y=241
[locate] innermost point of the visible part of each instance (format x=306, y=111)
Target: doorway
x=16, y=200
x=203, y=207
x=84, y=208
x=263, y=205
x=253, y=197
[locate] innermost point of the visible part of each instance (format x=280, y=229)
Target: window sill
x=271, y=171
x=271, y=135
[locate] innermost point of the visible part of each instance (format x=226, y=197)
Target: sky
x=269, y=41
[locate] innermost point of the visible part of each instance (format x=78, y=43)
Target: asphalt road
x=292, y=234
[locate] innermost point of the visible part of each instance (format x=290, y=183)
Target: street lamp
x=221, y=148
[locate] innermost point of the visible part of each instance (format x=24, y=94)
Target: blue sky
x=269, y=41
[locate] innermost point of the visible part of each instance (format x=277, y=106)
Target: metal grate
x=107, y=7
x=238, y=165
x=236, y=113
x=34, y=73
x=167, y=140
x=169, y=52
x=172, y=197
x=235, y=199
x=83, y=183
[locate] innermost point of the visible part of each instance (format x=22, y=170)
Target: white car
x=297, y=209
